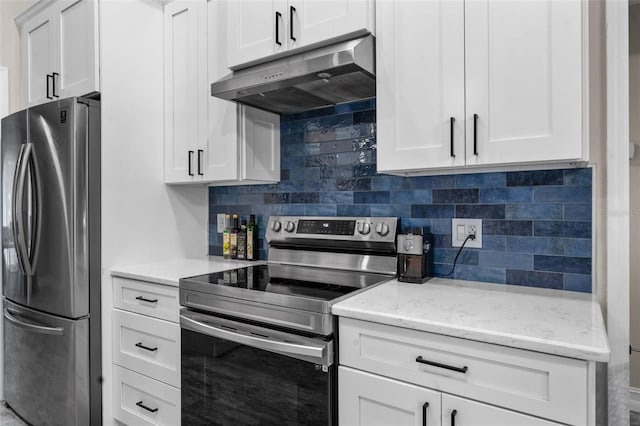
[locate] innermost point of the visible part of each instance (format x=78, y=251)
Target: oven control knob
x=290, y=226
x=382, y=229
x=364, y=228
x=275, y=226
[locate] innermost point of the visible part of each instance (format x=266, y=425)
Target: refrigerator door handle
x=16, y=209
x=35, y=327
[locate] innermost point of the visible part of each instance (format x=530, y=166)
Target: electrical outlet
x=461, y=228
x=220, y=222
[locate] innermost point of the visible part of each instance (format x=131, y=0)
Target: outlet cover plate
x=460, y=228
x=220, y=222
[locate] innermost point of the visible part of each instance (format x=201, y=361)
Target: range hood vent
x=326, y=76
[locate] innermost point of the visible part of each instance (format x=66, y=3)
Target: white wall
x=142, y=218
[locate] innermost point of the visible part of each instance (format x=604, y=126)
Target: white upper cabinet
x=266, y=27
x=209, y=140
x=59, y=50
x=420, y=84
x=509, y=73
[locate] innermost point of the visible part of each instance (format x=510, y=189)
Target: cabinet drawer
x=544, y=385
x=156, y=300
x=140, y=400
x=147, y=345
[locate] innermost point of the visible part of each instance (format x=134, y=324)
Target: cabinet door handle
x=454, y=413
x=278, y=16
x=200, y=152
x=146, y=348
x=48, y=87
x=53, y=86
x=475, y=134
x=141, y=405
x=190, y=160
x=292, y=10
x=452, y=120
x=142, y=299
x=445, y=366
x=424, y=413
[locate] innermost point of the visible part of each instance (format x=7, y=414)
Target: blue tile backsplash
x=536, y=224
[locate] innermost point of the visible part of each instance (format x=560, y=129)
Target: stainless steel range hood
x=325, y=76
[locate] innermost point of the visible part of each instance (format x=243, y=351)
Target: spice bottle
x=226, y=235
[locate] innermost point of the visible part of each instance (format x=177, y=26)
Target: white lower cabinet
x=146, y=353
x=388, y=373
x=368, y=399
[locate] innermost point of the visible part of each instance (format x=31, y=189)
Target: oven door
x=240, y=374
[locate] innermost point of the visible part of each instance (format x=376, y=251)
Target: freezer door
x=14, y=138
x=58, y=137
x=46, y=374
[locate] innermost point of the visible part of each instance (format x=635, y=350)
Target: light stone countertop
x=557, y=322
x=169, y=272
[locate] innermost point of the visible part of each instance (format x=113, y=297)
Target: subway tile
x=534, y=245
x=428, y=182
x=415, y=196
x=577, y=247
x=577, y=282
x=551, y=228
x=286, y=210
x=407, y=223
x=488, y=274
x=355, y=106
x=506, y=227
x=353, y=210
x=455, y=196
x=345, y=184
x=480, y=211
x=534, y=279
x=251, y=198
x=562, y=194
x=364, y=170
x=467, y=257
x=535, y=178
x=320, y=210
x=348, y=158
x=506, y=260
x=364, y=116
x=335, y=147
x=319, y=135
x=577, y=211
x=565, y=264
x=399, y=210
x=371, y=197
x=534, y=211
x=494, y=242
x=505, y=195
x=336, y=197
x=305, y=198
x=441, y=241
x=441, y=226
x=386, y=183
x=275, y=198
x=479, y=180
x=329, y=121
x=363, y=184
x=284, y=175
x=311, y=149
x=324, y=160
x=432, y=210
x=580, y=177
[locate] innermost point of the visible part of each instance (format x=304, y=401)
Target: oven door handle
x=254, y=341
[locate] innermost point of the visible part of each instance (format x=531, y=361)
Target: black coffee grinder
x=415, y=256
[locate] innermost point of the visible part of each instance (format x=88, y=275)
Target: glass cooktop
x=261, y=281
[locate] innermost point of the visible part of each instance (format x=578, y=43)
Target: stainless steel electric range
x=259, y=342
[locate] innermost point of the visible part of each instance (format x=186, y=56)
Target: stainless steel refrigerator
x=51, y=262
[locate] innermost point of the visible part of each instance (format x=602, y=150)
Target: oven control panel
x=290, y=228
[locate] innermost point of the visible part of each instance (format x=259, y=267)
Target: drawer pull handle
x=141, y=405
x=147, y=300
x=453, y=417
x=424, y=413
x=141, y=346
x=445, y=366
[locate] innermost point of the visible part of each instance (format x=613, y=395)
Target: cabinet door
x=258, y=29
x=77, y=63
x=260, y=145
x=38, y=52
x=368, y=399
x=420, y=84
x=182, y=25
x=312, y=21
x=523, y=81
x=463, y=412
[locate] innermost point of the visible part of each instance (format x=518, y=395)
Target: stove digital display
x=326, y=227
